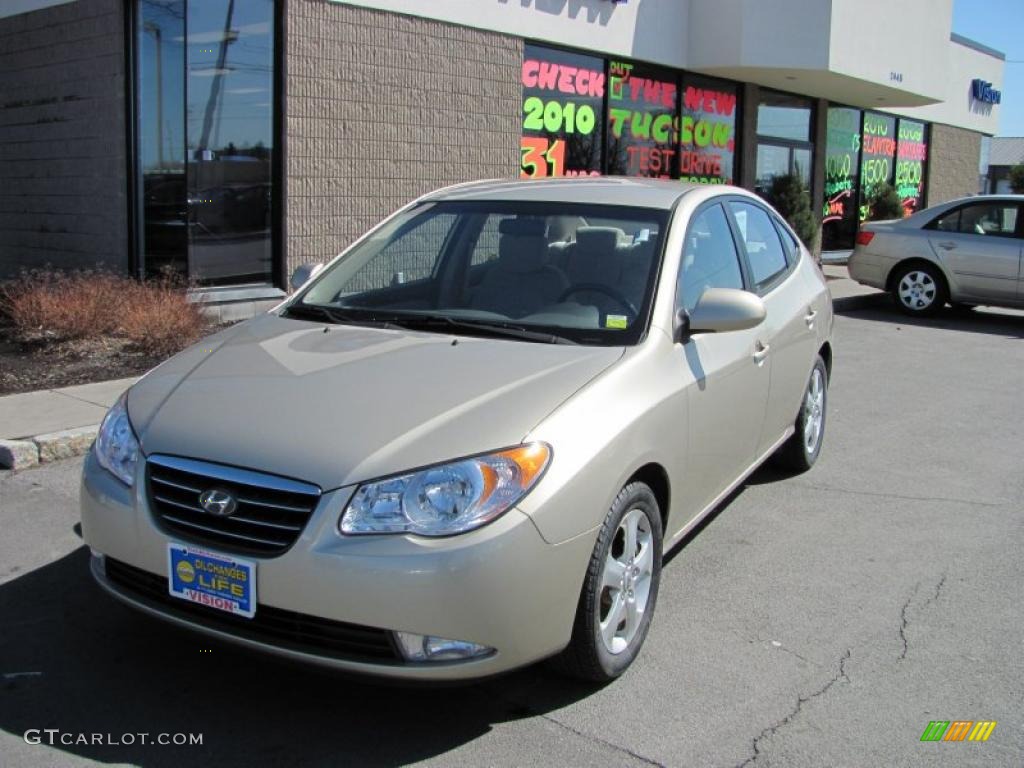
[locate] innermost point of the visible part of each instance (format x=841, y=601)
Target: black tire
x=919, y=289
x=587, y=657
x=794, y=454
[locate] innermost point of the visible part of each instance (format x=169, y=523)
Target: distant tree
x=1017, y=178
x=884, y=203
x=792, y=199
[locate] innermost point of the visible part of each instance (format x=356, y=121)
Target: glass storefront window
x=563, y=113
x=707, y=131
x=205, y=89
x=781, y=116
x=642, y=121
x=911, y=157
x=842, y=173
x=878, y=152
x=161, y=86
x=585, y=115
x=784, y=158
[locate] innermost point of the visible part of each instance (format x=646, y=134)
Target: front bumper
x=501, y=586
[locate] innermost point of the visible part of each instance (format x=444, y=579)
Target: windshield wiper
x=323, y=313
x=480, y=328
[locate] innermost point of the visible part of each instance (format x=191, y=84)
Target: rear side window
x=789, y=242
x=710, y=259
x=764, y=249
x=994, y=219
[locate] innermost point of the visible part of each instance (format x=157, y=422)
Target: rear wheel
x=919, y=289
x=801, y=451
x=619, y=591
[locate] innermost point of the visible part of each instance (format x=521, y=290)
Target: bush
x=791, y=198
x=45, y=306
x=884, y=203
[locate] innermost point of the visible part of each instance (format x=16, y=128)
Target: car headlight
x=448, y=498
x=117, y=450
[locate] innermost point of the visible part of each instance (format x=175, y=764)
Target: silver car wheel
x=814, y=410
x=917, y=290
x=626, y=581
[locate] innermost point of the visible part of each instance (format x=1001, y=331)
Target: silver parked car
x=965, y=252
x=464, y=445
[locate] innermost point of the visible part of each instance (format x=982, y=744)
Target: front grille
x=274, y=626
x=271, y=511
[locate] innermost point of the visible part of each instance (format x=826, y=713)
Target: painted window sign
x=911, y=156
x=877, y=158
x=982, y=90
x=842, y=170
x=707, y=131
x=563, y=113
x=643, y=121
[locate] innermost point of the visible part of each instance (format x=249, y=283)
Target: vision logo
x=958, y=730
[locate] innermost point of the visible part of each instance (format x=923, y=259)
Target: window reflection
x=230, y=139
x=161, y=85
x=206, y=107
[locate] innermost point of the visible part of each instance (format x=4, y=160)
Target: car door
x=978, y=243
x=788, y=332
x=727, y=401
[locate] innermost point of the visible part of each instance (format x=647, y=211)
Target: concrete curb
x=41, y=449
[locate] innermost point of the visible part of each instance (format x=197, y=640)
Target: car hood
x=335, y=405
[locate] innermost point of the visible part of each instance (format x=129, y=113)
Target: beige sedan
x=966, y=252
x=465, y=444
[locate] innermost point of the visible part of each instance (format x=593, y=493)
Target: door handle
x=761, y=352
x=809, y=317
x=947, y=246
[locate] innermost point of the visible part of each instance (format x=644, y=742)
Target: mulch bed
x=40, y=365
x=24, y=368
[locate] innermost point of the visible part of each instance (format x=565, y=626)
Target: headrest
x=523, y=248
x=598, y=240
x=522, y=227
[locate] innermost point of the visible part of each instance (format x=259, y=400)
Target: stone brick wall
x=953, y=163
x=62, y=137
x=381, y=108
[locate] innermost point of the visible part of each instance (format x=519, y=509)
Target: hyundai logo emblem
x=217, y=501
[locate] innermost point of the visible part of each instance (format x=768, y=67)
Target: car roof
x=603, y=190
x=982, y=199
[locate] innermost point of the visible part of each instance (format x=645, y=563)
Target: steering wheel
x=606, y=290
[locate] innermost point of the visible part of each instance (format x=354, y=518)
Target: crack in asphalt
x=801, y=700
x=938, y=589
x=904, y=622
x=902, y=497
x=603, y=742
x=530, y=711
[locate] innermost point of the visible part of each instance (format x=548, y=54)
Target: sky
x=999, y=24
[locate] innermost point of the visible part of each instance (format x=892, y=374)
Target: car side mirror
x=303, y=274
x=720, y=310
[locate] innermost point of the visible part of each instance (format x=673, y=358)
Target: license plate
x=211, y=579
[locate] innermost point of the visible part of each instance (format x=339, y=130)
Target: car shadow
x=879, y=307
x=76, y=660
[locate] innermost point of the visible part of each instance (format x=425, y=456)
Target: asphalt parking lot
x=823, y=619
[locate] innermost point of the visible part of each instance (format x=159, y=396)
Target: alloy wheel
x=917, y=290
x=814, y=410
x=626, y=581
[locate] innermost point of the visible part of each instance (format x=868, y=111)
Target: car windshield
x=553, y=272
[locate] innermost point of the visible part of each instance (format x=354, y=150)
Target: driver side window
x=710, y=259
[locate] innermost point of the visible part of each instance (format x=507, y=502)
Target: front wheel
x=801, y=451
x=920, y=289
x=619, y=591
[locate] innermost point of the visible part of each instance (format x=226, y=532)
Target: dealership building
x=232, y=140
